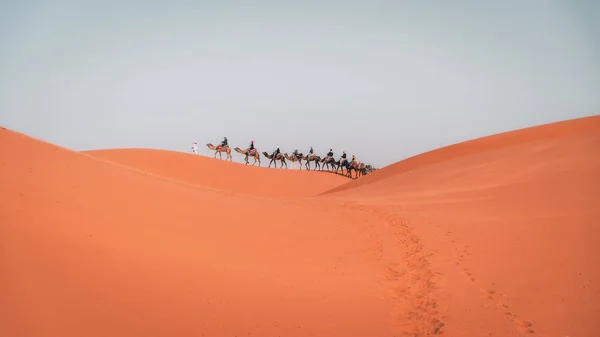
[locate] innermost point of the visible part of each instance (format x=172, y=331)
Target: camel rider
x=310, y=152
x=223, y=143
x=251, y=146
x=276, y=152
x=353, y=159
x=296, y=153
x=329, y=154
x=343, y=158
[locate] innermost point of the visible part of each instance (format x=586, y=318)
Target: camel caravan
x=328, y=162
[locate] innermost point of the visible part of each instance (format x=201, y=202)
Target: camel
x=279, y=157
x=354, y=165
x=294, y=159
x=349, y=168
x=362, y=168
x=347, y=164
x=312, y=157
x=369, y=168
x=327, y=162
x=340, y=165
x=220, y=149
x=249, y=153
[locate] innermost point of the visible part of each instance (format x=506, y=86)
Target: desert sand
x=496, y=236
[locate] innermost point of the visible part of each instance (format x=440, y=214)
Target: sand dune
x=219, y=174
x=495, y=236
x=553, y=132
x=515, y=215
x=95, y=249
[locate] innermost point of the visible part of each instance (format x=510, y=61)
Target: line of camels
x=359, y=168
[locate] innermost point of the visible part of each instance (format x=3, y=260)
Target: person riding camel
x=329, y=155
x=223, y=143
x=353, y=160
x=296, y=154
x=310, y=153
x=343, y=158
x=251, y=146
x=276, y=152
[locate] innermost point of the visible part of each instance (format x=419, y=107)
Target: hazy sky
x=380, y=79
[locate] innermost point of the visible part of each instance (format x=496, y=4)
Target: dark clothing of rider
x=344, y=155
x=224, y=142
x=311, y=150
x=330, y=153
x=251, y=146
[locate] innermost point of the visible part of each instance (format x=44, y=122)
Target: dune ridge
x=495, y=236
x=555, y=131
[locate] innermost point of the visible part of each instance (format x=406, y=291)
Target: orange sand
x=223, y=175
x=492, y=237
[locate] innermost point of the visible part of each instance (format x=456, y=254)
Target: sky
x=384, y=80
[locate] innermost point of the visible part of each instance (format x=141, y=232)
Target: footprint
x=489, y=294
x=524, y=326
x=504, y=306
x=523, y=323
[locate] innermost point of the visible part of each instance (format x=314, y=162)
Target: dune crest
x=495, y=236
x=556, y=131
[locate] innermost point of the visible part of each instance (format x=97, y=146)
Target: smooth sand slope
x=513, y=218
x=219, y=174
x=90, y=248
x=492, y=237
